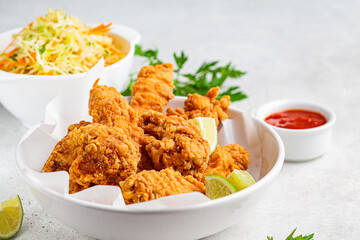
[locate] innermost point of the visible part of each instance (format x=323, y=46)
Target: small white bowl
x=25, y=96
x=186, y=222
x=301, y=144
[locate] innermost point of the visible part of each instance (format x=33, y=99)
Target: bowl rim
x=287, y=103
x=116, y=29
x=213, y=203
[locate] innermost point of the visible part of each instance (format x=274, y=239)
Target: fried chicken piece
x=107, y=106
x=174, y=142
x=227, y=158
x=145, y=160
x=78, y=125
x=150, y=185
x=153, y=88
x=68, y=148
x=104, y=162
x=179, y=112
x=200, y=106
x=94, y=154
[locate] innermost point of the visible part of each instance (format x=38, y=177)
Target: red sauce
x=296, y=119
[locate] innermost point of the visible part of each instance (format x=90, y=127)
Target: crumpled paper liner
x=72, y=107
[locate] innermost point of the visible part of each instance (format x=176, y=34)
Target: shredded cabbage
x=57, y=44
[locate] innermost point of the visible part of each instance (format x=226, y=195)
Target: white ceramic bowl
x=190, y=222
x=25, y=96
x=301, y=144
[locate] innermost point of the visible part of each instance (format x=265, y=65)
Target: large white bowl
x=25, y=96
x=190, y=222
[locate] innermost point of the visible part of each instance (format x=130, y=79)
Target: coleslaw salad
x=57, y=44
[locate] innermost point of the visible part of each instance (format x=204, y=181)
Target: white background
x=289, y=49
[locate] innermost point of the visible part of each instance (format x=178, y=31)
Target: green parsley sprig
x=290, y=237
x=208, y=75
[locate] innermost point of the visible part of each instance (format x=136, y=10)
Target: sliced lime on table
x=241, y=179
x=208, y=130
x=11, y=216
x=217, y=186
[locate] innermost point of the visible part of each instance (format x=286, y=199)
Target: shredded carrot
x=52, y=58
x=101, y=29
x=9, y=54
x=11, y=43
x=22, y=62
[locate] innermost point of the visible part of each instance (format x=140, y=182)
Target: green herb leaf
x=207, y=76
x=127, y=91
x=180, y=60
x=300, y=237
x=150, y=55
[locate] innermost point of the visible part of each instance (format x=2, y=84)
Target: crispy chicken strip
x=200, y=106
x=68, y=148
x=94, y=154
x=174, y=142
x=153, y=88
x=104, y=162
x=227, y=158
x=150, y=185
x=107, y=106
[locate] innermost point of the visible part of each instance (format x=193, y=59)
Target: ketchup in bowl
x=296, y=119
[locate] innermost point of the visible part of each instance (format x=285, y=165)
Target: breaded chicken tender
x=174, y=142
x=227, y=158
x=94, y=154
x=199, y=106
x=150, y=185
x=153, y=88
x=68, y=148
x=107, y=106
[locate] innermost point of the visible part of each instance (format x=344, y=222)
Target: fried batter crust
x=107, y=106
x=174, y=142
x=227, y=158
x=94, y=154
x=153, y=88
x=151, y=184
x=203, y=106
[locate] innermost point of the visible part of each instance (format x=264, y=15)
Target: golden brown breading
x=153, y=88
x=104, y=162
x=145, y=161
x=150, y=185
x=107, y=106
x=94, y=154
x=68, y=148
x=227, y=158
x=78, y=125
x=179, y=112
x=200, y=106
x=174, y=142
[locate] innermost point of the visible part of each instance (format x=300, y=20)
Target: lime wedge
x=217, y=186
x=241, y=179
x=11, y=217
x=208, y=130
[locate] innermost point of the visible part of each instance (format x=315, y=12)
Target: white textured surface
x=299, y=49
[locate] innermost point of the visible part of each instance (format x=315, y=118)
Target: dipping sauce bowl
x=301, y=144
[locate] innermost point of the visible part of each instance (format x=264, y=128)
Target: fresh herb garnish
x=208, y=75
x=290, y=237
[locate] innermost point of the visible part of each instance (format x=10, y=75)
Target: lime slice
x=217, y=186
x=11, y=217
x=208, y=130
x=241, y=179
